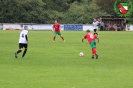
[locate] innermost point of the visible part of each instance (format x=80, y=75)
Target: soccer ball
x=81, y=54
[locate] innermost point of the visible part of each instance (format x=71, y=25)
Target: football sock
x=24, y=52
x=54, y=38
x=94, y=50
x=62, y=38
x=19, y=51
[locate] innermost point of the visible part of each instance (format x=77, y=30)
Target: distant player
x=95, y=25
x=91, y=39
x=56, y=30
x=23, y=42
x=99, y=24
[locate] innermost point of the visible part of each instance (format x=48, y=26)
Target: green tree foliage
x=45, y=11
x=83, y=12
x=106, y=5
x=58, y=5
x=52, y=15
x=26, y=11
x=130, y=18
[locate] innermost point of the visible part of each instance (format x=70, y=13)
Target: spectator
x=102, y=26
x=111, y=28
x=124, y=24
x=107, y=27
x=115, y=27
x=118, y=27
x=99, y=24
x=122, y=27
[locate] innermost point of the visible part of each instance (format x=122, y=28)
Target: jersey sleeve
x=98, y=23
x=26, y=37
x=26, y=33
x=85, y=36
x=95, y=36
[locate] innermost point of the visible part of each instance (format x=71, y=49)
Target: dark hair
x=25, y=27
x=88, y=30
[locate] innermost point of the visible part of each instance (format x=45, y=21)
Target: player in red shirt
x=56, y=30
x=91, y=40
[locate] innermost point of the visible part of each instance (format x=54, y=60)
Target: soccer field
x=57, y=64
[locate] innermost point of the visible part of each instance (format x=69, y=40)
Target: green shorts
x=57, y=33
x=99, y=26
x=93, y=44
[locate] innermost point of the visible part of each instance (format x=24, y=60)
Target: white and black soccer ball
x=81, y=54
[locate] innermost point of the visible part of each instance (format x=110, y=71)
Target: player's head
x=88, y=31
x=55, y=21
x=25, y=27
x=95, y=19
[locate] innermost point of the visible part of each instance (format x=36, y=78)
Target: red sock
x=54, y=38
x=62, y=38
x=94, y=50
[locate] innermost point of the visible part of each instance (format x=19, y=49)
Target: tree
x=45, y=11
x=52, y=15
x=27, y=11
x=83, y=12
x=106, y=5
x=130, y=18
x=58, y=5
x=35, y=11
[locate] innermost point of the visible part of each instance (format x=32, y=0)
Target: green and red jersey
x=90, y=37
x=56, y=27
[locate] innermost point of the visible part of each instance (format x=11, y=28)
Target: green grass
x=57, y=64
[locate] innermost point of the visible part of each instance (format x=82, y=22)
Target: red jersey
x=56, y=27
x=90, y=37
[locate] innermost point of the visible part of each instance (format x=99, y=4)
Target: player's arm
x=83, y=39
x=93, y=24
x=26, y=38
x=96, y=37
x=98, y=40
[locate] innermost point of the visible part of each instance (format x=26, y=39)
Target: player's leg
x=95, y=52
x=94, y=49
x=92, y=46
x=61, y=36
x=54, y=37
x=25, y=46
x=92, y=54
x=20, y=49
x=95, y=31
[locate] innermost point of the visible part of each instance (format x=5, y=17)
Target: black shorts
x=95, y=30
x=21, y=45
